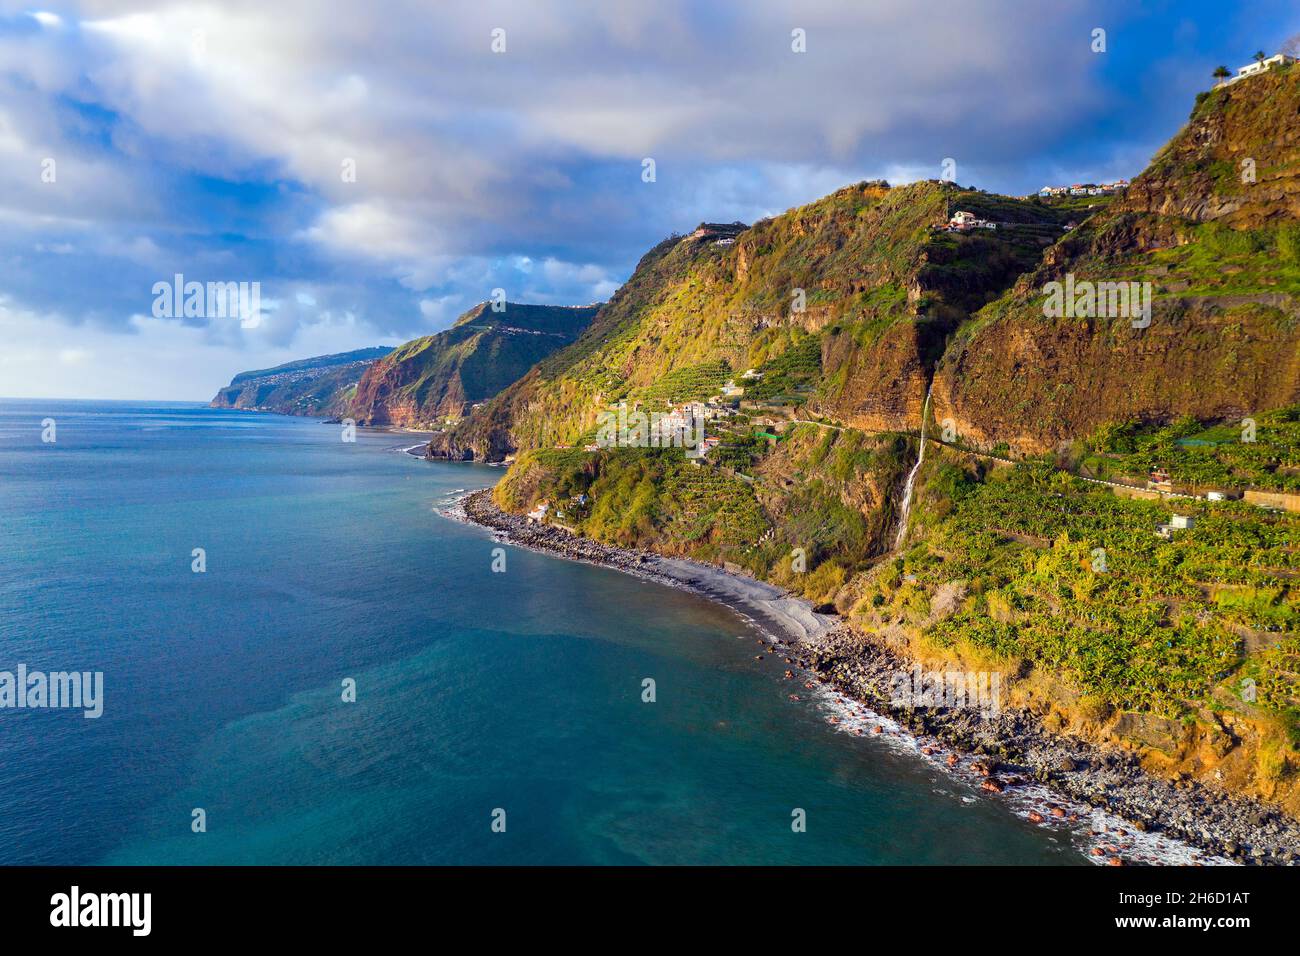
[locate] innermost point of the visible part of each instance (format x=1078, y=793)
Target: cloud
x=378, y=167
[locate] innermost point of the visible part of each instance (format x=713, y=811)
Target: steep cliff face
x=1214, y=226
x=868, y=275
x=437, y=377
x=323, y=385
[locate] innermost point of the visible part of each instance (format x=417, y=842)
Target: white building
x=962, y=220
x=1259, y=66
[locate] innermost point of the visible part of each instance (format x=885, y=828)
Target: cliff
x=439, y=377
x=1213, y=225
x=323, y=385
x=867, y=282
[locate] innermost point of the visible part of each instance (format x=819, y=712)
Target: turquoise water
x=475, y=690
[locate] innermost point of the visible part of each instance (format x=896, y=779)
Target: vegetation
x=1074, y=579
x=323, y=385
x=689, y=383
x=648, y=498
x=695, y=312
x=1229, y=456
x=791, y=375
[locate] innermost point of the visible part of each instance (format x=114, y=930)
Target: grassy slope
x=1169, y=629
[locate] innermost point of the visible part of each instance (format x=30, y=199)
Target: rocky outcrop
x=1035, y=385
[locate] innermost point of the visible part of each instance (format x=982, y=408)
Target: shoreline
x=1125, y=814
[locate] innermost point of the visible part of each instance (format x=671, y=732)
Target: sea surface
x=481, y=695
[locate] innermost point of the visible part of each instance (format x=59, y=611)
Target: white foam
x=1134, y=846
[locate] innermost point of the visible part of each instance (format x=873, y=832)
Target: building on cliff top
x=1259, y=66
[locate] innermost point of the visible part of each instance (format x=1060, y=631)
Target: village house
x=961, y=221
x=1084, y=189
x=1259, y=66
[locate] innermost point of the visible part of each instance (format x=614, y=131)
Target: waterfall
x=911, y=478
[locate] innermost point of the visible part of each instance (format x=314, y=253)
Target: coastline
x=1127, y=815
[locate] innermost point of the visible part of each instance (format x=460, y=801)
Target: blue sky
x=210, y=140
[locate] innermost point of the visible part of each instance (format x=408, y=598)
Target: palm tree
x=1222, y=73
x=1260, y=56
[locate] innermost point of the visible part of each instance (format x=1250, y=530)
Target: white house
x=1181, y=521
x=1259, y=66
x=961, y=221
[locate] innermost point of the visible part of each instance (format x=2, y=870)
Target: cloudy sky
x=144, y=138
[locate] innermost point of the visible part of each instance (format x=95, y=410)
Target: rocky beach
x=1128, y=815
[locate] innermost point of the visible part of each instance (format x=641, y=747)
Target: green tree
x=1221, y=73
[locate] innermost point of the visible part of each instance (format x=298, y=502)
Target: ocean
x=498, y=715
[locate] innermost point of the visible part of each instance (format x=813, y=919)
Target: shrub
x=1288, y=243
